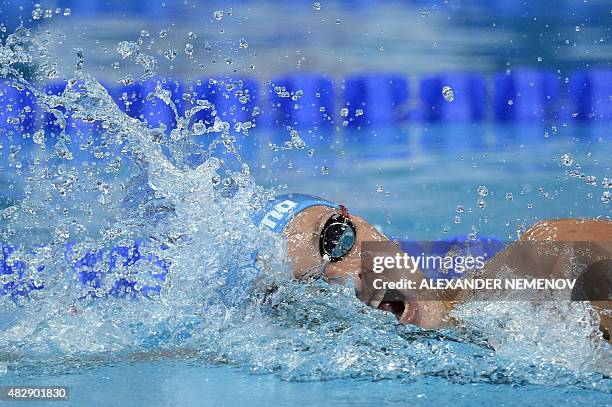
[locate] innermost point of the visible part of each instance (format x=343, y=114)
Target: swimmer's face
x=303, y=235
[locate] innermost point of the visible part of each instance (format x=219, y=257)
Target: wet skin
x=303, y=233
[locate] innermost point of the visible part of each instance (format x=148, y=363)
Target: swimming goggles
x=337, y=237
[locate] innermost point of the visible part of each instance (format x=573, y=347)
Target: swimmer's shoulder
x=570, y=229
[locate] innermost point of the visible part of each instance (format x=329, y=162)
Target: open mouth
x=404, y=308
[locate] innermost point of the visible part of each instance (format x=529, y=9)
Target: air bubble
x=358, y=112
x=317, y=6
x=481, y=203
x=218, y=15
x=191, y=35
x=606, y=197
x=509, y=196
x=380, y=188
x=344, y=112
x=460, y=209
x=324, y=170
x=243, y=43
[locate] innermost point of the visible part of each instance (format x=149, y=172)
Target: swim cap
x=277, y=213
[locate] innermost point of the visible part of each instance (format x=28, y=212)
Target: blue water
x=371, y=360
x=312, y=343
x=171, y=382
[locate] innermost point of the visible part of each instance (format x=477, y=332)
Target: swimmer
x=325, y=241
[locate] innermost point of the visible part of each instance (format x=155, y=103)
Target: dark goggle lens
x=337, y=238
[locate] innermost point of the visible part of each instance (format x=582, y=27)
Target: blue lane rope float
x=465, y=102
x=375, y=99
x=526, y=95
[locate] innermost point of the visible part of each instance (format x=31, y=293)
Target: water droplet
x=457, y=219
x=607, y=183
x=199, y=128
x=126, y=80
x=529, y=206
x=243, y=43
x=311, y=152
x=567, y=160
x=191, y=35
x=482, y=190
x=577, y=28
x=317, y=6
x=509, y=196
x=606, y=197
x=296, y=140
x=163, y=33
x=39, y=137
x=37, y=12
x=510, y=102
x=218, y=15
x=481, y=203
x=128, y=49
x=447, y=92
x=189, y=49
x=67, y=11
x=460, y=208
x=358, y=112
x=229, y=60
x=344, y=112
x=324, y=169
x=591, y=180
x=424, y=13
x=171, y=54
x=539, y=59
x=380, y=188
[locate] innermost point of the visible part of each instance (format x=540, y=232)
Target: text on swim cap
x=278, y=212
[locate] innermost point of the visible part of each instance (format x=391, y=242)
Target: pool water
x=410, y=182
x=172, y=382
x=414, y=181
x=201, y=340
